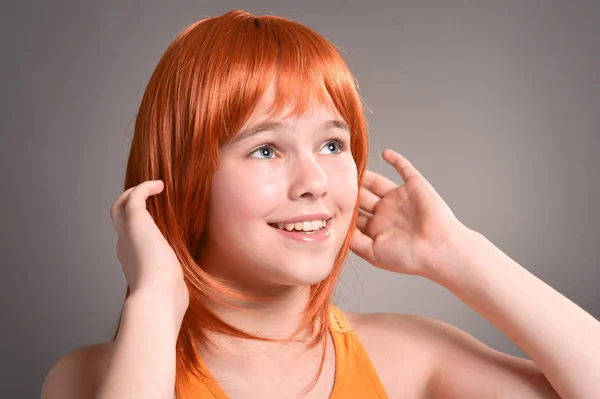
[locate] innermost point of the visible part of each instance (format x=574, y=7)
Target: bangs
x=253, y=53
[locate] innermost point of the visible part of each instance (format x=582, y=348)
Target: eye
x=335, y=146
x=264, y=152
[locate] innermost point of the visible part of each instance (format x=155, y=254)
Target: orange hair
x=203, y=90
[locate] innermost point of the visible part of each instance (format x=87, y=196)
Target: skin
x=405, y=229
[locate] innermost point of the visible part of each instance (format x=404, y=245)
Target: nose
x=309, y=179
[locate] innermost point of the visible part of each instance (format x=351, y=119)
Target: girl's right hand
x=148, y=261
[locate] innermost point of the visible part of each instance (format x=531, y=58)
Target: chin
x=306, y=273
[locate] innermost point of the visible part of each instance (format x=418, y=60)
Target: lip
x=305, y=218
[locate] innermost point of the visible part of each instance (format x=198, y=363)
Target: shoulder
x=399, y=347
x=77, y=374
x=441, y=360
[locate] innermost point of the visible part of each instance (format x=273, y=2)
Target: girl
x=245, y=188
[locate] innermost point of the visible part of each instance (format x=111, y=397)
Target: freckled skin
x=301, y=174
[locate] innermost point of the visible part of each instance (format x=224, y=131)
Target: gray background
x=497, y=103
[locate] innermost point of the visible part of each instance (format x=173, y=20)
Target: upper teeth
x=303, y=226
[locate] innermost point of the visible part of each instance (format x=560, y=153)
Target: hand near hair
x=404, y=229
x=149, y=263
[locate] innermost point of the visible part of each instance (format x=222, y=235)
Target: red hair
x=203, y=90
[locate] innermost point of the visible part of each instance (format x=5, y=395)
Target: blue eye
x=265, y=152
x=335, y=146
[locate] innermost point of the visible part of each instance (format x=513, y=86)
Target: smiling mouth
x=308, y=227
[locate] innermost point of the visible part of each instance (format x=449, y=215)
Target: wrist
x=158, y=305
x=447, y=264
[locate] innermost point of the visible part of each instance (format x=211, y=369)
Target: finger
x=116, y=210
x=362, y=221
x=136, y=200
x=362, y=246
x=378, y=184
x=401, y=164
x=363, y=212
x=368, y=200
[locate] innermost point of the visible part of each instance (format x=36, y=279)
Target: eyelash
x=340, y=143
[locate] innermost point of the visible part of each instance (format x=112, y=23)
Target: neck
x=278, y=319
x=279, y=316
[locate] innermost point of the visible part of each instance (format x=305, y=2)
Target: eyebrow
x=274, y=125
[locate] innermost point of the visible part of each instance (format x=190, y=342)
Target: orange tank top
x=355, y=376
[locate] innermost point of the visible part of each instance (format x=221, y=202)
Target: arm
x=561, y=338
x=410, y=229
x=141, y=363
x=143, y=359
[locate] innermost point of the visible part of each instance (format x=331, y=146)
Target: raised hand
x=403, y=228
x=149, y=263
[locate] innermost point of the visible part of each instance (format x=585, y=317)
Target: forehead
x=292, y=110
x=259, y=127
x=313, y=114
x=320, y=116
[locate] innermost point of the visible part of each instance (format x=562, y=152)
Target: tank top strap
x=338, y=321
x=355, y=375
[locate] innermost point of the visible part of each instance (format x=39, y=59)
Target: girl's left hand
x=406, y=229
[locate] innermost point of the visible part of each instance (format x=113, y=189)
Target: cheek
x=343, y=184
x=244, y=197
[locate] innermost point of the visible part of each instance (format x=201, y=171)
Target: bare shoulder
x=399, y=346
x=417, y=356
x=78, y=373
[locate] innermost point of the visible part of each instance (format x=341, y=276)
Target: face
x=299, y=174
